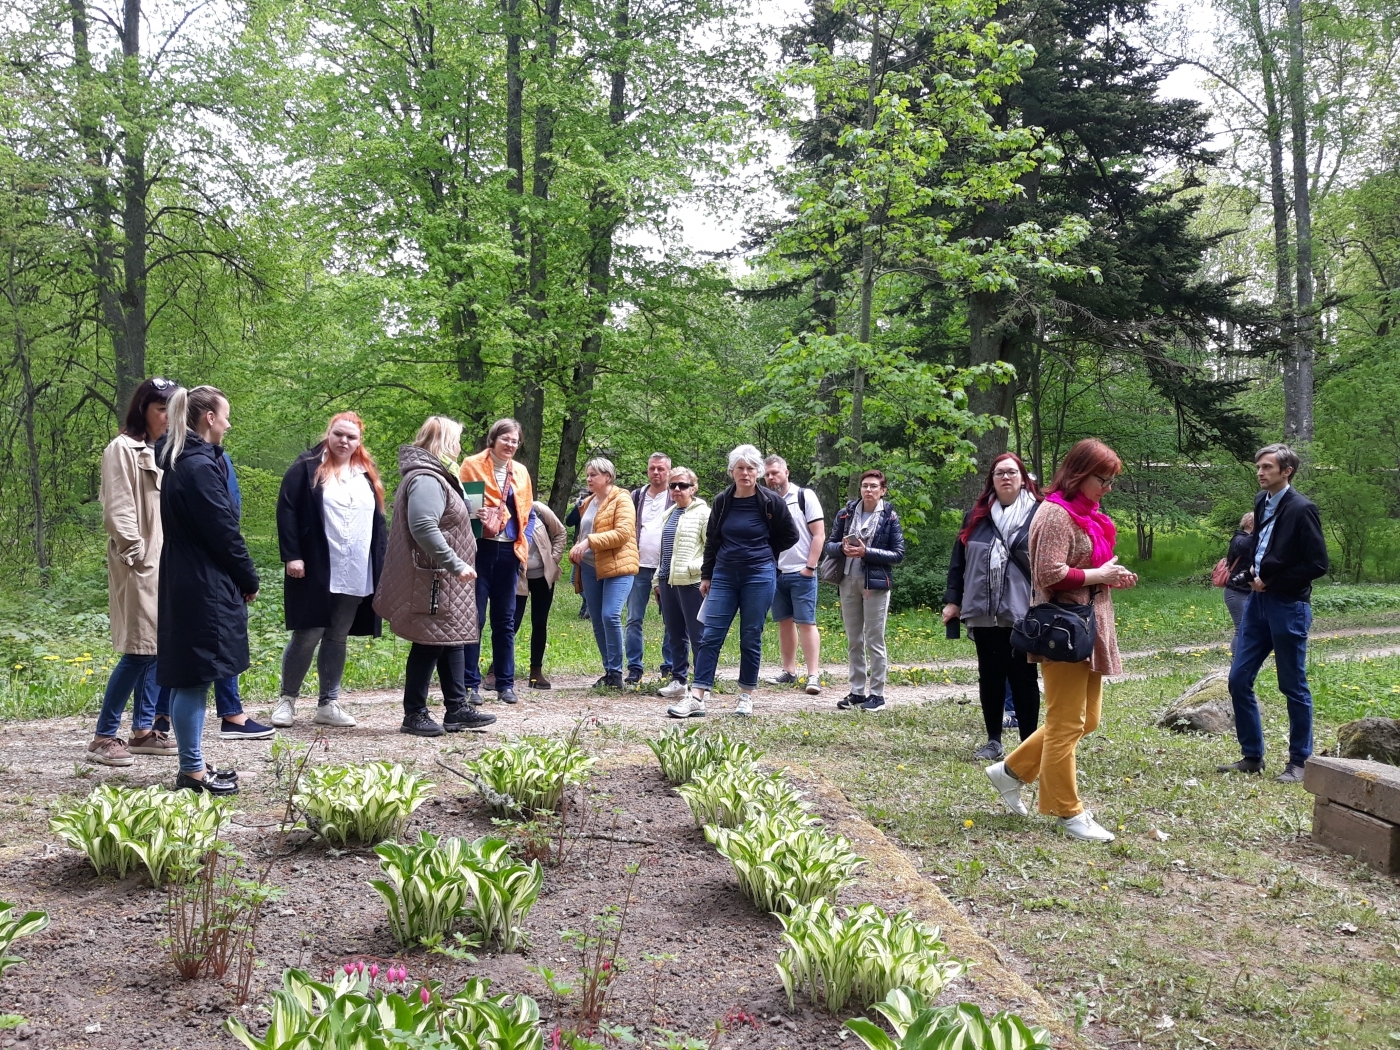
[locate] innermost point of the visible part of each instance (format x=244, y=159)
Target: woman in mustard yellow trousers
x=1071, y=548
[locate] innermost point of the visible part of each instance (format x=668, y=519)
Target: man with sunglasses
x=652, y=503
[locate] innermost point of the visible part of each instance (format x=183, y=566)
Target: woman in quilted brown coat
x=428, y=589
x=607, y=559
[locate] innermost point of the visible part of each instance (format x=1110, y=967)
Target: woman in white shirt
x=330, y=527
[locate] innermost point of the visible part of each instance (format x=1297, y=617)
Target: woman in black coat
x=330, y=528
x=1237, y=559
x=206, y=576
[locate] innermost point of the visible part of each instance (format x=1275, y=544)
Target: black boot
x=538, y=680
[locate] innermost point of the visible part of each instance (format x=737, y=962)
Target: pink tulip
x=349, y=969
x=425, y=995
x=403, y=974
x=373, y=971
x=360, y=967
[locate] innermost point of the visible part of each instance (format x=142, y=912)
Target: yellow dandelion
x=967, y=823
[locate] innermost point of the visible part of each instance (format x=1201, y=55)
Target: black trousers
x=450, y=662
x=998, y=664
x=540, y=600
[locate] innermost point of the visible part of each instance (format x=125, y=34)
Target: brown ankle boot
x=538, y=680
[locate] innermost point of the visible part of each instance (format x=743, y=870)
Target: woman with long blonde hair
x=330, y=528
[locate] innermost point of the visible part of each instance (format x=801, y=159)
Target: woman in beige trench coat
x=131, y=515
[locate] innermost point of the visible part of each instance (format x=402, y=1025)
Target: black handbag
x=1056, y=631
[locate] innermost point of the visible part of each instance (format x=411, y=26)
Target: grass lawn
x=1212, y=921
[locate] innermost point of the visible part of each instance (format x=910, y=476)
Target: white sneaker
x=331, y=715
x=1084, y=828
x=691, y=707
x=1009, y=788
x=744, y=707
x=675, y=687
x=285, y=713
x=814, y=683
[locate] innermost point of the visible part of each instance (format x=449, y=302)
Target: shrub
x=119, y=828
x=683, y=751
x=860, y=958
x=922, y=577
x=12, y=928
x=957, y=1027
x=352, y=1014
x=728, y=793
x=367, y=803
x=528, y=774
x=433, y=883
x=783, y=860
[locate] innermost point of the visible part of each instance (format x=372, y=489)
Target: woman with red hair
x=330, y=527
x=1071, y=553
x=989, y=589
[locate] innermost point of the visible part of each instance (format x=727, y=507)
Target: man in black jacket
x=1288, y=553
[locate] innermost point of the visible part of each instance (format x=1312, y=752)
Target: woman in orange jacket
x=607, y=560
x=500, y=554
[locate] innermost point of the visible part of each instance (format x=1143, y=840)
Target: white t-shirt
x=653, y=522
x=794, y=559
x=348, y=506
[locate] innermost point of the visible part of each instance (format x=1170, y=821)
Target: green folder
x=475, y=492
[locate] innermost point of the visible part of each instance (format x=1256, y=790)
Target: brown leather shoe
x=108, y=751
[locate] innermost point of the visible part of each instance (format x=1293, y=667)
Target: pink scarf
x=1098, y=525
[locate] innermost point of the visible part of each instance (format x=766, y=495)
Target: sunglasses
x=163, y=384
x=680, y=485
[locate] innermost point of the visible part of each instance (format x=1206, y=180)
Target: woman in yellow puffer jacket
x=607, y=559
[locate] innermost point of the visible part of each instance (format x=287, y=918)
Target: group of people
x=468, y=544
x=1017, y=549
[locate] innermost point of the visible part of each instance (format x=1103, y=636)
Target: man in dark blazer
x=1289, y=552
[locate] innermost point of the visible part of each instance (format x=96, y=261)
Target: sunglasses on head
x=162, y=384
x=680, y=485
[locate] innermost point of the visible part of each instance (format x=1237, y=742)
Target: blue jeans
x=187, y=716
x=497, y=569
x=747, y=593
x=1280, y=625
x=133, y=676
x=605, y=601
x=637, y=603
x=227, y=701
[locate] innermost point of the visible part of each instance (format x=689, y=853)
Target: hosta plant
x=961, y=1026
x=728, y=793
x=783, y=860
x=12, y=926
x=862, y=957
x=432, y=884
x=683, y=751
x=122, y=828
x=350, y=1013
x=366, y=803
x=529, y=774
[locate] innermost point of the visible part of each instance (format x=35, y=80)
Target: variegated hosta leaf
x=683, y=751
x=782, y=859
x=529, y=774
x=366, y=803
x=119, y=828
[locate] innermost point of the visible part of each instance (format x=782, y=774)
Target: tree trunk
x=529, y=409
x=131, y=355
x=1278, y=190
x=605, y=214
x=826, y=287
x=867, y=278
x=987, y=345
x=30, y=396
x=1298, y=424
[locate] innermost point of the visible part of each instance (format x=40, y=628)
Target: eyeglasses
x=680, y=485
x=1106, y=482
x=1006, y=474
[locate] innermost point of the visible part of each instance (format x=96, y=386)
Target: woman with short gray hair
x=749, y=527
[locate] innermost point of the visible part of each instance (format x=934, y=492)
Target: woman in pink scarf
x=1072, y=560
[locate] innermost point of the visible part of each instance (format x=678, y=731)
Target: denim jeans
x=330, y=660
x=637, y=603
x=227, y=702
x=133, y=676
x=187, y=716
x=497, y=569
x=679, y=608
x=747, y=594
x=606, y=599
x=1277, y=624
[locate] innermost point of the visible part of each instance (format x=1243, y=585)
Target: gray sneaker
x=991, y=751
x=331, y=714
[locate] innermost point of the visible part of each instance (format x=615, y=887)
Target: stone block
x=1375, y=738
x=1371, y=787
x=1359, y=835
x=1204, y=707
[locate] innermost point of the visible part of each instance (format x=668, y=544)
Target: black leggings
x=997, y=664
x=540, y=601
x=450, y=662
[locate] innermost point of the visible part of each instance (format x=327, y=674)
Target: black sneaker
x=420, y=723
x=609, y=683
x=1244, y=765
x=249, y=730
x=849, y=701
x=475, y=698
x=991, y=751
x=1292, y=774
x=664, y=671
x=506, y=696
x=873, y=703
x=633, y=681
x=217, y=788
x=466, y=718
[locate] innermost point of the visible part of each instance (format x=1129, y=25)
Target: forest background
x=962, y=226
